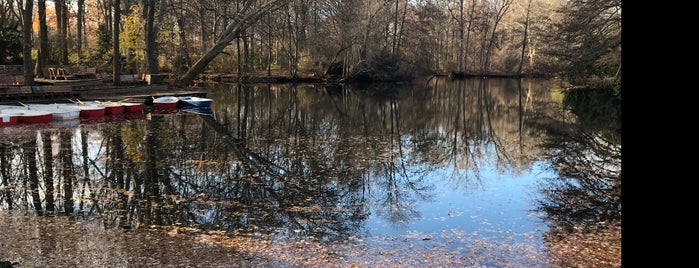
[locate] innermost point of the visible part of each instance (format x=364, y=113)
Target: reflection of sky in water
x=497, y=208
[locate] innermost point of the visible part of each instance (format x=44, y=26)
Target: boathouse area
x=60, y=84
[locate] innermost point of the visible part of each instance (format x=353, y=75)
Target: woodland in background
x=353, y=39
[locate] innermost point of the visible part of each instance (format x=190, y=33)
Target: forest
x=389, y=40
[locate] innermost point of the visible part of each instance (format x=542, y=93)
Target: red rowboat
x=110, y=107
x=167, y=102
x=25, y=115
x=165, y=105
x=89, y=110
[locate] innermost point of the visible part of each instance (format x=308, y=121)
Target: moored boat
x=89, y=110
x=60, y=112
x=165, y=105
x=195, y=101
x=133, y=107
x=165, y=102
x=25, y=115
x=110, y=107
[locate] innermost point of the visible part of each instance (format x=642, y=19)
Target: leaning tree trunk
x=524, y=38
x=231, y=32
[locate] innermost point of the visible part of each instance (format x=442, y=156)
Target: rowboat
x=195, y=101
x=165, y=105
x=110, y=107
x=60, y=112
x=88, y=110
x=166, y=102
x=133, y=107
x=25, y=115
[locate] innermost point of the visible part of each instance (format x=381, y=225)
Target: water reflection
x=324, y=162
x=584, y=203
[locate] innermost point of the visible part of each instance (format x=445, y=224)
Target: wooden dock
x=89, y=90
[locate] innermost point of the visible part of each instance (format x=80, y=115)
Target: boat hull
x=196, y=101
x=36, y=118
x=29, y=116
x=8, y=119
x=59, y=112
x=164, y=105
x=130, y=107
x=91, y=111
x=113, y=109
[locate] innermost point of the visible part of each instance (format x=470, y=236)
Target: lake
x=462, y=173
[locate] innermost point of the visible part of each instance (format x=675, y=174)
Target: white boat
x=165, y=105
x=166, y=102
x=111, y=107
x=87, y=110
x=60, y=112
x=26, y=115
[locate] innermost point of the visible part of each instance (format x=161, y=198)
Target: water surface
x=440, y=172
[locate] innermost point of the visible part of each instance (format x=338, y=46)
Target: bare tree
x=235, y=28
x=499, y=11
x=524, y=37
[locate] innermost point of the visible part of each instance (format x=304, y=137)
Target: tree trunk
x=27, y=46
x=81, y=28
x=524, y=38
x=151, y=55
x=62, y=23
x=469, y=27
x=232, y=31
x=43, y=54
x=184, y=47
x=116, y=58
x=499, y=14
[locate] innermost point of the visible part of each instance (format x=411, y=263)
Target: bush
x=11, y=44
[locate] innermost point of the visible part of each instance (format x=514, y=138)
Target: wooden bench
x=11, y=80
x=131, y=79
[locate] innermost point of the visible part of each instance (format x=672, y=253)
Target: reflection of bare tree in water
x=29, y=150
x=86, y=163
x=583, y=203
x=48, y=170
x=490, y=135
x=402, y=190
x=5, y=173
x=295, y=196
x=67, y=173
x=588, y=190
x=466, y=129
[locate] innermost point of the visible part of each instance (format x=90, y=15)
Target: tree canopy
x=580, y=40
